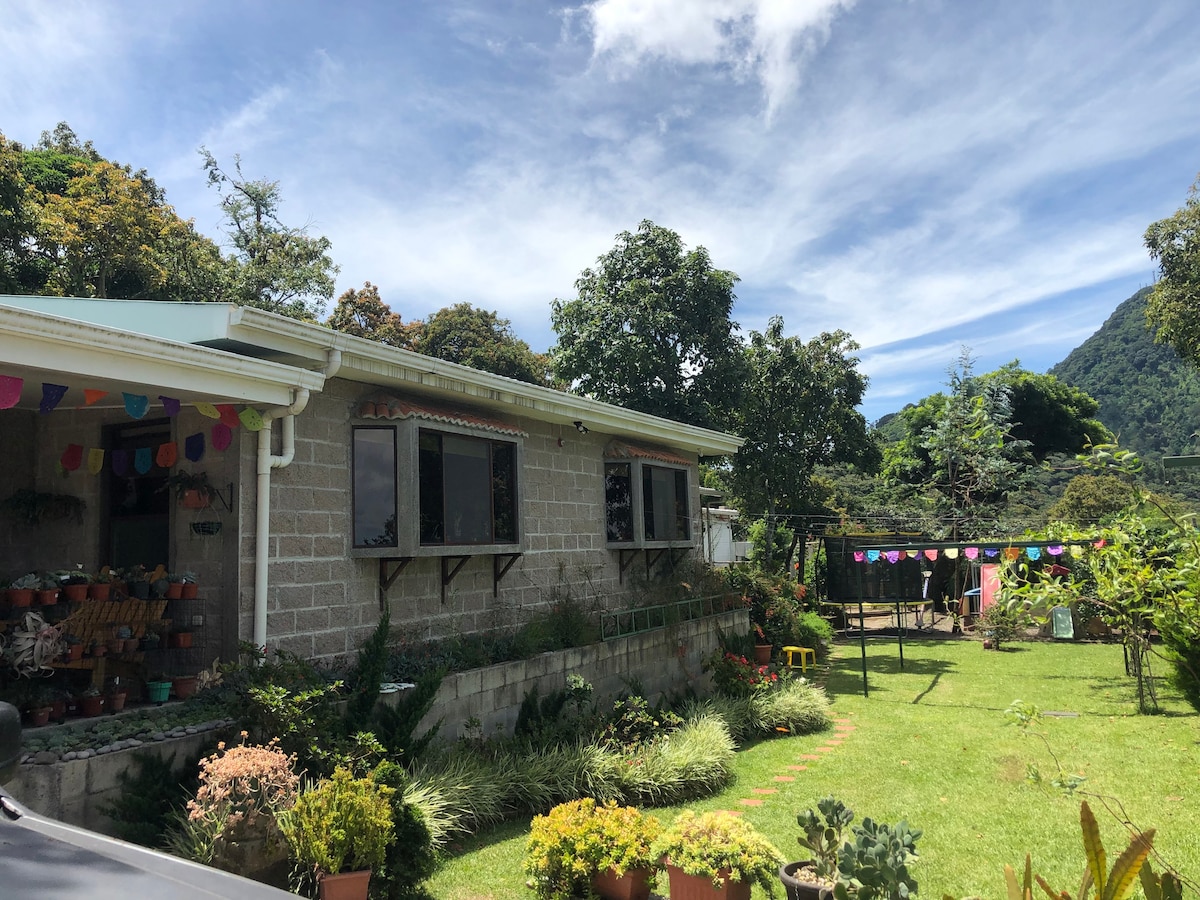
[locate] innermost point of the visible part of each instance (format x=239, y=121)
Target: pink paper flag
x=10, y=390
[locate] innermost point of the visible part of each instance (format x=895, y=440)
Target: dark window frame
x=633, y=531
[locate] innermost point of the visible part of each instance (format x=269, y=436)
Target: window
x=429, y=492
x=467, y=490
x=660, y=492
x=375, y=487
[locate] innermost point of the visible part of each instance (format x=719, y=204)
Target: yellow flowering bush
x=342, y=824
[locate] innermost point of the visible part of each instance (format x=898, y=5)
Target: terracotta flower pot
x=180, y=640
x=633, y=885
x=47, y=597
x=700, y=887
x=174, y=590
x=346, y=885
x=91, y=706
x=73, y=652
x=184, y=686
x=75, y=593
x=189, y=590
x=762, y=654
x=20, y=597
x=193, y=499
x=38, y=717
x=130, y=645
x=98, y=591
x=116, y=701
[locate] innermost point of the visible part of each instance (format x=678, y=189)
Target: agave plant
x=33, y=645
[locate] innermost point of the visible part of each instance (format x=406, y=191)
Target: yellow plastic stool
x=807, y=655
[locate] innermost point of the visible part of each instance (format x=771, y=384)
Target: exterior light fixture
x=580, y=427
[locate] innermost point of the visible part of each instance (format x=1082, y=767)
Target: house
x=347, y=476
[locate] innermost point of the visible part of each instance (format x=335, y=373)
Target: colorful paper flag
x=52, y=395
x=193, y=446
x=170, y=405
x=136, y=405
x=72, y=457
x=222, y=437
x=10, y=390
x=95, y=461
x=168, y=454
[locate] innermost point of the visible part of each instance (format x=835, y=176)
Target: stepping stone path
x=842, y=729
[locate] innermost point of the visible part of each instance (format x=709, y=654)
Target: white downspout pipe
x=266, y=462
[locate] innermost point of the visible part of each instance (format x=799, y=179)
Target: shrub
x=342, y=824
x=568, y=846
x=710, y=843
x=150, y=799
x=810, y=630
x=410, y=858
x=796, y=706
x=632, y=723
x=737, y=676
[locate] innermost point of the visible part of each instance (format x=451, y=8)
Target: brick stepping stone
x=786, y=777
x=809, y=756
x=841, y=721
x=797, y=768
x=731, y=812
x=844, y=729
x=763, y=791
x=825, y=749
x=750, y=801
x=835, y=743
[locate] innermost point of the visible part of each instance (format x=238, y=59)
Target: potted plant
x=580, y=847
x=101, y=586
x=47, y=590
x=822, y=833
x=20, y=591
x=137, y=583
x=35, y=702
x=158, y=688
x=762, y=647
x=192, y=489
x=183, y=686
x=115, y=696
x=73, y=649
x=174, y=586
x=180, y=638
x=716, y=855
x=873, y=865
x=75, y=585
x=190, y=588
x=90, y=702
x=338, y=831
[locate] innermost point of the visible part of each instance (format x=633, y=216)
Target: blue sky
x=924, y=174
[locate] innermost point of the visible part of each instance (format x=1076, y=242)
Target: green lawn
x=931, y=745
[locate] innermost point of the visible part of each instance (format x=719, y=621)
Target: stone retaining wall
x=665, y=660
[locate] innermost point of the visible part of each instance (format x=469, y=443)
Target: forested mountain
x=1148, y=396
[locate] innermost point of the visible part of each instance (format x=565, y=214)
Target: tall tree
x=1173, y=307
x=277, y=267
x=480, y=339
x=650, y=330
x=364, y=314
x=798, y=412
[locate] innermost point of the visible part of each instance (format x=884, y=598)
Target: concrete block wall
x=665, y=660
x=323, y=603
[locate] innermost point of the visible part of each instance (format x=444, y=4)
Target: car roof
x=46, y=859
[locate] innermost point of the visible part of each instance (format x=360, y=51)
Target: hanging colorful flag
x=1012, y=553
x=872, y=556
x=222, y=437
x=136, y=405
x=950, y=553
x=72, y=457
x=143, y=460
x=91, y=395
x=207, y=410
x=912, y=554
x=10, y=390
x=170, y=405
x=52, y=395
x=1076, y=551
x=1100, y=543
x=859, y=556
x=168, y=454
x=1034, y=553
x=95, y=461
x=893, y=556
x=193, y=446
x=991, y=552
x=971, y=552
x=931, y=555
x=229, y=415
x=1055, y=549
x=251, y=419
x=120, y=462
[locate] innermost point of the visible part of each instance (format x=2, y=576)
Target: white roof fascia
x=61, y=346
x=374, y=363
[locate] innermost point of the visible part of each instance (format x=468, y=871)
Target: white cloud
x=767, y=39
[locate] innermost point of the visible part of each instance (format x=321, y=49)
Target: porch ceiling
x=40, y=347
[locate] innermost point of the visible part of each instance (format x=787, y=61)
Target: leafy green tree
x=650, y=330
x=1174, y=244
x=274, y=266
x=363, y=313
x=1051, y=415
x=18, y=223
x=798, y=412
x=1091, y=499
x=480, y=339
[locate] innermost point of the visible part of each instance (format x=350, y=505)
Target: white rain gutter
x=266, y=462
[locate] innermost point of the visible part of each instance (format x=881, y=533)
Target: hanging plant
x=33, y=646
x=31, y=507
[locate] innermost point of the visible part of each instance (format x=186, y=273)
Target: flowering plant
x=577, y=840
x=736, y=676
